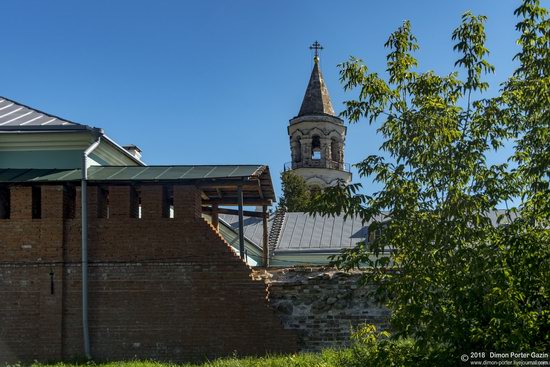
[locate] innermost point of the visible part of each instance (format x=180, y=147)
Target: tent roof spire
x=316, y=100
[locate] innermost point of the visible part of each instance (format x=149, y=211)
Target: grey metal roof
x=253, y=227
x=231, y=235
x=499, y=217
x=14, y=115
x=302, y=231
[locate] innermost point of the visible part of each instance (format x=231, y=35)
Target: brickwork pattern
x=160, y=288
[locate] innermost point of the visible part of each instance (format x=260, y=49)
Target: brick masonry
x=160, y=288
x=322, y=305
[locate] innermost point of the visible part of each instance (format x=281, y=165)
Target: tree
x=296, y=194
x=452, y=277
x=527, y=99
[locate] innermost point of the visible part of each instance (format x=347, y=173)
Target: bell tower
x=317, y=135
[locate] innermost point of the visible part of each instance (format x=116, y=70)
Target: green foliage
x=527, y=98
x=454, y=279
x=296, y=194
x=372, y=348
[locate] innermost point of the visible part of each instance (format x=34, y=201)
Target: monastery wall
x=322, y=305
x=160, y=288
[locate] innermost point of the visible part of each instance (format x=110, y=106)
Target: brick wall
x=322, y=305
x=160, y=288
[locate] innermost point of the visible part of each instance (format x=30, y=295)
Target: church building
x=317, y=135
x=317, y=140
x=106, y=257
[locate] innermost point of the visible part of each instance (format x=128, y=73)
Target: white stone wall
x=331, y=134
x=322, y=177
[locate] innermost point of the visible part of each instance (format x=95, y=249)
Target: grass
x=325, y=359
x=369, y=348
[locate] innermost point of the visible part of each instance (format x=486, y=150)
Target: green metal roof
x=132, y=173
x=219, y=184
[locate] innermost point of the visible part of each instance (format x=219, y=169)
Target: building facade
x=30, y=138
x=102, y=256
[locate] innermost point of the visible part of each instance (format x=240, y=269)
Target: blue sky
x=215, y=82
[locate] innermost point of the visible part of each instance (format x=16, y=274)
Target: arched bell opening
x=316, y=148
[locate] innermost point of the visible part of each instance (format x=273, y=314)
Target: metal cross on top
x=316, y=46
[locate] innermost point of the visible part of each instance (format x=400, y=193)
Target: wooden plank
x=246, y=213
x=232, y=201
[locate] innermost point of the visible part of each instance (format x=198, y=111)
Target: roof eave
x=48, y=129
x=122, y=150
x=308, y=251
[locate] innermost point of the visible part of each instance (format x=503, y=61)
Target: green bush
x=372, y=348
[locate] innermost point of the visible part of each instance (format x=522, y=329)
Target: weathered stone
x=322, y=305
x=285, y=307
